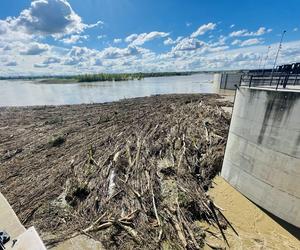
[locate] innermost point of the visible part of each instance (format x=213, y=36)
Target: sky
x=62, y=37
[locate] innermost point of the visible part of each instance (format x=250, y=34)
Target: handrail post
x=250, y=82
x=278, y=82
x=295, y=80
x=271, y=80
x=241, y=79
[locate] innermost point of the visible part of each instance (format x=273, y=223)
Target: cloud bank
x=49, y=37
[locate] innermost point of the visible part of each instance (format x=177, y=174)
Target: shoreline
x=219, y=96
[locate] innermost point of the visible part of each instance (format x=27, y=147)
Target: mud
x=256, y=229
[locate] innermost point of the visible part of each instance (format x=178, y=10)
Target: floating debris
x=136, y=181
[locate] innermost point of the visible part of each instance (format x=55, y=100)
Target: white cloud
x=238, y=33
x=48, y=17
x=51, y=60
x=117, y=40
x=79, y=56
x=93, y=25
x=232, y=26
x=9, y=34
x=189, y=53
x=203, y=29
x=250, y=42
x=11, y=64
x=221, y=41
x=170, y=41
x=81, y=51
x=140, y=39
x=35, y=49
x=40, y=65
x=188, y=24
x=3, y=27
x=187, y=44
x=74, y=39
x=85, y=60
x=7, y=47
x=244, y=32
x=98, y=62
x=101, y=37
x=236, y=42
x=295, y=29
x=73, y=61
x=114, y=53
x=130, y=38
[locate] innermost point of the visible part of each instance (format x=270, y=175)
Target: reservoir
x=30, y=93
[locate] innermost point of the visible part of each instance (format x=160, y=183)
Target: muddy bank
x=131, y=174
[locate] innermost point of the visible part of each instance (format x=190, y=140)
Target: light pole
x=279, y=48
x=267, y=57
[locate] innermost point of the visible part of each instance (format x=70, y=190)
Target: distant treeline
x=35, y=77
x=101, y=76
x=125, y=77
x=111, y=76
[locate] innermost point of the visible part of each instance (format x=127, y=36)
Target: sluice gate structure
x=262, y=158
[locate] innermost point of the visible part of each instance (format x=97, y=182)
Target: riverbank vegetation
x=97, y=77
x=126, y=76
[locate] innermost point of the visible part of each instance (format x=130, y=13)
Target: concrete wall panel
x=262, y=158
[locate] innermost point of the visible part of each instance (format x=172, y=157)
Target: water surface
x=28, y=93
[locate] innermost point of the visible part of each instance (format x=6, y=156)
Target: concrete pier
x=20, y=238
x=227, y=80
x=262, y=158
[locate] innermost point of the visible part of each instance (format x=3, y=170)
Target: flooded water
x=28, y=93
x=256, y=229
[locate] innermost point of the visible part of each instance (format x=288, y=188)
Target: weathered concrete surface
x=262, y=158
x=25, y=239
x=29, y=240
x=9, y=220
x=227, y=81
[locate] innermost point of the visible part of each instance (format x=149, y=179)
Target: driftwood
x=137, y=179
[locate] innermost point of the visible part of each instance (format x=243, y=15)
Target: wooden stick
x=229, y=223
x=217, y=221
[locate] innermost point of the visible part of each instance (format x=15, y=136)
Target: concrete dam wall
x=227, y=80
x=262, y=158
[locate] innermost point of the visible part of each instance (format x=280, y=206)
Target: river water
x=28, y=93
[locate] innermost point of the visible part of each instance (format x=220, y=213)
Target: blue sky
x=76, y=36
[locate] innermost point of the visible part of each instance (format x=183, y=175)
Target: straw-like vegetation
x=131, y=174
x=124, y=77
x=96, y=77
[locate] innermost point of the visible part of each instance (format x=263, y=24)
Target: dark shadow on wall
x=278, y=106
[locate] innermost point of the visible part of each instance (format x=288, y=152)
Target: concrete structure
x=24, y=239
x=29, y=240
x=8, y=219
x=262, y=158
x=227, y=80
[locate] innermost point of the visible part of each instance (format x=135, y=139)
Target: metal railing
x=275, y=80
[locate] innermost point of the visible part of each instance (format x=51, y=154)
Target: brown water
x=256, y=229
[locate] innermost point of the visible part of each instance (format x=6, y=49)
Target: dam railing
x=274, y=80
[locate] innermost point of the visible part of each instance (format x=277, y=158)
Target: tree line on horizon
x=101, y=76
